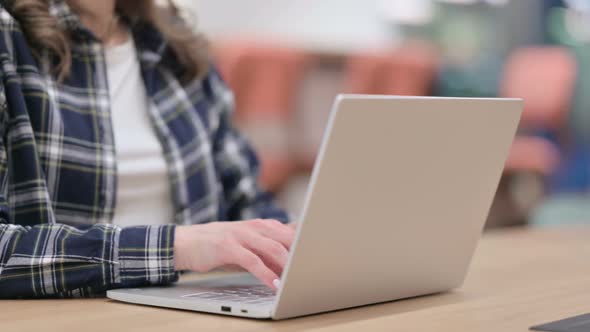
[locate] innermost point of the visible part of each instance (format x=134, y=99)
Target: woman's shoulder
x=8, y=22
x=11, y=34
x=214, y=87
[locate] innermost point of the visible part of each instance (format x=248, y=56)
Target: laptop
x=396, y=204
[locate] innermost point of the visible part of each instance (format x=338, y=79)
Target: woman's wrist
x=180, y=243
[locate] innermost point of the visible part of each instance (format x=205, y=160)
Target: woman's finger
x=272, y=253
x=253, y=264
x=276, y=231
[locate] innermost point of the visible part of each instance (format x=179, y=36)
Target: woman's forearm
x=55, y=260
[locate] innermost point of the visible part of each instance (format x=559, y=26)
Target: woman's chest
x=76, y=141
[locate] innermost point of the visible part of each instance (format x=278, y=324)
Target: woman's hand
x=261, y=247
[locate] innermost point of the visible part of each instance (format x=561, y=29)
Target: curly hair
x=44, y=33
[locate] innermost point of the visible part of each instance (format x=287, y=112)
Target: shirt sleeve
x=56, y=260
x=236, y=161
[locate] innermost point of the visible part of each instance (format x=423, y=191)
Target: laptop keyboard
x=258, y=294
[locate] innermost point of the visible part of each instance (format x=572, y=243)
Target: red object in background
x=545, y=78
x=534, y=154
x=409, y=70
x=265, y=80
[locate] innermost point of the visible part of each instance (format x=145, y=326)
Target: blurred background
x=287, y=60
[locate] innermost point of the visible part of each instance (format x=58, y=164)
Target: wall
x=326, y=25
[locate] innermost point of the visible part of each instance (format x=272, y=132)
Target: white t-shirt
x=143, y=186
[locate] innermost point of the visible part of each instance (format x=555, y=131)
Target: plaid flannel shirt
x=58, y=169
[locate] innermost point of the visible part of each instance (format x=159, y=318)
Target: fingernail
x=276, y=283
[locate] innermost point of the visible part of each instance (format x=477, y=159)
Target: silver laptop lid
x=397, y=200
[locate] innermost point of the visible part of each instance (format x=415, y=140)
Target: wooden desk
x=518, y=278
